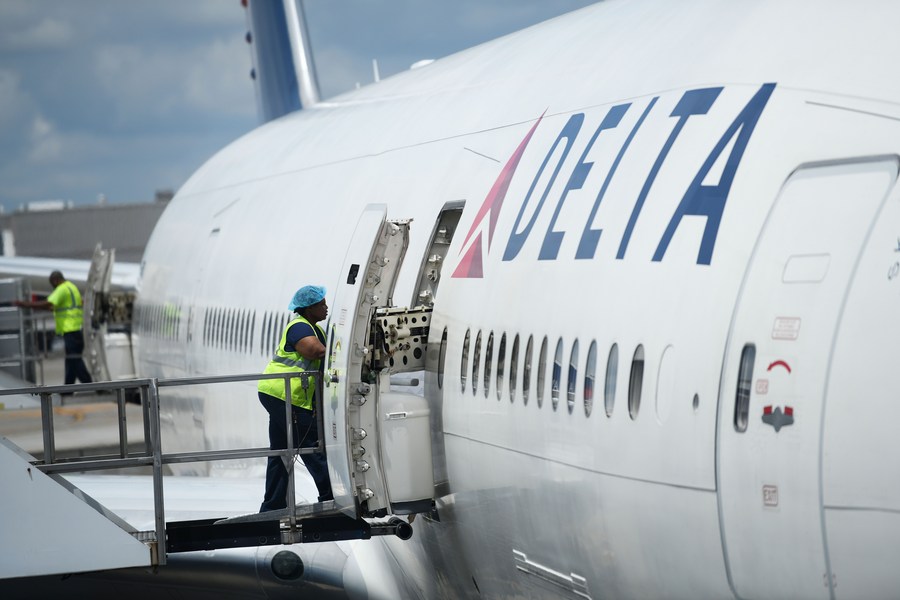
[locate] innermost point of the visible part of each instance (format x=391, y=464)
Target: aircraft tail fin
x=283, y=67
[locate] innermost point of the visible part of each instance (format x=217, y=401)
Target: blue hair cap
x=307, y=296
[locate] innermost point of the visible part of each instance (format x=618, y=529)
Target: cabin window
x=572, y=380
x=245, y=343
x=464, y=363
x=557, y=374
x=742, y=394
x=513, y=369
x=245, y=329
x=636, y=382
x=609, y=388
x=262, y=335
x=488, y=359
x=442, y=357
x=476, y=359
x=542, y=373
x=526, y=371
x=590, y=371
x=276, y=330
x=242, y=335
x=501, y=365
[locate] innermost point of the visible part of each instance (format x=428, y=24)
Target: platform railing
x=152, y=455
x=32, y=350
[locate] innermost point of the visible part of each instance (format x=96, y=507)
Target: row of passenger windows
x=520, y=364
x=162, y=321
x=224, y=328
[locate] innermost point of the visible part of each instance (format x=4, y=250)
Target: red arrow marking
x=779, y=363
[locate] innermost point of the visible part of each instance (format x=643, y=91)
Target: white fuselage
x=770, y=115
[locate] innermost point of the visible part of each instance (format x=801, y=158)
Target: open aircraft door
x=377, y=441
x=107, y=321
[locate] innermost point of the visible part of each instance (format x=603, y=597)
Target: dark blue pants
x=305, y=436
x=75, y=367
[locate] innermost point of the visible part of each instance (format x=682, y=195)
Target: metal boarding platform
x=374, y=427
x=307, y=523
x=318, y=522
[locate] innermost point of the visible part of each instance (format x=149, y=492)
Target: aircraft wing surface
x=186, y=498
x=36, y=271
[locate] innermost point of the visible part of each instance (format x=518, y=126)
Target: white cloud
x=217, y=78
x=46, y=144
x=13, y=101
x=10, y=9
x=205, y=12
x=48, y=33
x=173, y=82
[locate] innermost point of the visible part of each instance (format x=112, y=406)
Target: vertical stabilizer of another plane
x=282, y=57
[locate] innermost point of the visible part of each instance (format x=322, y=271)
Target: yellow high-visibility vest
x=303, y=388
x=67, y=307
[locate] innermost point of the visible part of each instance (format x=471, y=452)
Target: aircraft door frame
x=425, y=293
x=773, y=389
x=94, y=330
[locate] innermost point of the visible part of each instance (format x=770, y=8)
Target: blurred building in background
x=57, y=229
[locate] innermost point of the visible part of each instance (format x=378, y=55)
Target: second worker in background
x=68, y=314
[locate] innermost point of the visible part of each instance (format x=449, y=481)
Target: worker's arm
x=310, y=348
x=38, y=304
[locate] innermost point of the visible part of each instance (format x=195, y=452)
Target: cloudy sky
x=120, y=99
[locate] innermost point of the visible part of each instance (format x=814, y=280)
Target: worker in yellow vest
x=300, y=349
x=65, y=302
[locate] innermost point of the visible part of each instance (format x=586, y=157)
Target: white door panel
x=784, y=324
x=351, y=403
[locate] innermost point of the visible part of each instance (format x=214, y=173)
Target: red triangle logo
x=470, y=265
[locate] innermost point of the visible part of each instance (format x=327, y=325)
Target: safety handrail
x=152, y=455
x=30, y=326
